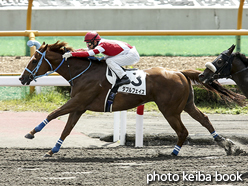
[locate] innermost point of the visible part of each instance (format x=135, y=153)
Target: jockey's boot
x=123, y=81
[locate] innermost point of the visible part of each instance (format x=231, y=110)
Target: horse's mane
x=242, y=57
x=60, y=47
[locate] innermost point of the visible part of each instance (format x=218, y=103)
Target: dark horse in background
x=228, y=65
x=170, y=90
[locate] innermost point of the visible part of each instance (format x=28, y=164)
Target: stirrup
x=123, y=82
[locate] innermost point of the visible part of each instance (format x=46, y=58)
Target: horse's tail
x=215, y=87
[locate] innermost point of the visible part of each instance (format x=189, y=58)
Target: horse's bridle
x=225, y=70
x=35, y=70
x=43, y=56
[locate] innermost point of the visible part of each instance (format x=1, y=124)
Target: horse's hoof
x=229, y=146
x=172, y=154
x=29, y=136
x=230, y=142
x=239, y=152
x=220, y=141
x=47, y=155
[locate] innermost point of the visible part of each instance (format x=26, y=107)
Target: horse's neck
x=240, y=77
x=75, y=66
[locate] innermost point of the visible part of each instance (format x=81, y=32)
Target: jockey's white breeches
x=129, y=57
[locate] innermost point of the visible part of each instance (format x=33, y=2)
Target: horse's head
x=219, y=68
x=35, y=66
x=44, y=59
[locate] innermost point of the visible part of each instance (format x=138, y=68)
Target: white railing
x=13, y=81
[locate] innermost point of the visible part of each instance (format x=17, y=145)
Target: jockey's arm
x=85, y=53
x=80, y=49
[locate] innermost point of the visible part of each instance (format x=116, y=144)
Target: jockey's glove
x=67, y=55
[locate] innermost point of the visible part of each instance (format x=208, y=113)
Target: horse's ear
x=43, y=43
x=45, y=48
x=231, y=49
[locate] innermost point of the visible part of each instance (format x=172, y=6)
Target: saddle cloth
x=137, y=77
x=137, y=86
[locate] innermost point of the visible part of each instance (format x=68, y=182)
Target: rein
x=240, y=71
x=35, y=70
x=80, y=73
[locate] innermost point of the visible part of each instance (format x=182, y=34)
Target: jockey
x=117, y=54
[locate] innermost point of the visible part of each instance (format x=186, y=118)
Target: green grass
x=146, y=45
x=44, y=102
x=7, y=93
x=208, y=108
x=217, y=109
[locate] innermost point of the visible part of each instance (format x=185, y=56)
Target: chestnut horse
x=170, y=90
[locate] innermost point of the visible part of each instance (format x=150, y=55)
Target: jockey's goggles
x=89, y=44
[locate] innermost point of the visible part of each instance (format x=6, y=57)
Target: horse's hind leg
x=182, y=133
x=71, y=122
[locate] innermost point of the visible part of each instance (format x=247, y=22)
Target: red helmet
x=91, y=37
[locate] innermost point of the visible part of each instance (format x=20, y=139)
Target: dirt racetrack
x=208, y=165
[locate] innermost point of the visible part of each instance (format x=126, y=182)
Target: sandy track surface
x=208, y=165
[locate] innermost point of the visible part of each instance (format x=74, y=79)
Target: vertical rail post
x=32, y=51
x=239, y=25
x=31, y=35
x=28, y=23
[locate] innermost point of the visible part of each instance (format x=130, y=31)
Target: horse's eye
x=219, y=62
x=34, y=61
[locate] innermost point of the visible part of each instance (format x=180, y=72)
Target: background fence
x=125, y=15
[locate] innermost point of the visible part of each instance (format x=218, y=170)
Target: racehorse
x=170, y=90
x=228, y=65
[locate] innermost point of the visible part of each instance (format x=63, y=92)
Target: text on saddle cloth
x=137, y=85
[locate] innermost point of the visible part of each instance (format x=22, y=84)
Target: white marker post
x=123, y=127
x=116, y=136
x=139, y=126
x=120, y=121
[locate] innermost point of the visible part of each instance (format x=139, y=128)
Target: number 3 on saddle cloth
x=137, y=85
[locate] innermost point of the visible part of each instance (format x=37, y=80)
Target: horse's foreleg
x=68, y=107
x=196, y=114
x=227, y=144
x=38, y=128
x=72, y=120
